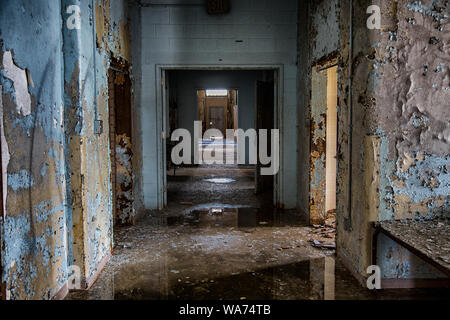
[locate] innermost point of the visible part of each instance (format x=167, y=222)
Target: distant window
x=216, y=93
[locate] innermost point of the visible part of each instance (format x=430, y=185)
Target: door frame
x=317, y=196
x=161, y=116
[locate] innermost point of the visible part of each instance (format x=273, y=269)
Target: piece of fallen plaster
x=20, y=80
x=5, y=155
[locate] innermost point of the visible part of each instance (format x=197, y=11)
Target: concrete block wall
x=253, y=33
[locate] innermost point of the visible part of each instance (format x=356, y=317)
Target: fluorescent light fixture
x=217, y=93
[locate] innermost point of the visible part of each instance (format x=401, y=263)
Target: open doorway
x=323, y=144
x=218, y=103
x=120, y=129
x=217, y=110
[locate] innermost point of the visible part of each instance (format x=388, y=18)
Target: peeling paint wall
x=87, y=55
x=252, y=33
x=411, y=79
x=395, y=82
x=55, y=167
x=355, y=189
x=318, y=146
x=124, y=187
x=400, y=123
x=120, y=127
x=320, y=26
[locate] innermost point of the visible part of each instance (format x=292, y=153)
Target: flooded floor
x=219, y=241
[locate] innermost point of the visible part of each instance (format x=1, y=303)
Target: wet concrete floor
x=219, y=241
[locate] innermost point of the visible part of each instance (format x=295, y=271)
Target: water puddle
x=220, y=180
x=226, y=217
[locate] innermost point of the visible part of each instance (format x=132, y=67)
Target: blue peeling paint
x=432, y=167
x=430, y=9
x=21, y=180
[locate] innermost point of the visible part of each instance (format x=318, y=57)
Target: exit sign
x=218, y=6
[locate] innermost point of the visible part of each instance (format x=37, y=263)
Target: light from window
x=216, y=93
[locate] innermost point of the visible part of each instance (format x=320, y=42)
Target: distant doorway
x=217, y=109
x=221, y=99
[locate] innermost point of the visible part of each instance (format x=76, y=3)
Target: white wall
x=187, y=35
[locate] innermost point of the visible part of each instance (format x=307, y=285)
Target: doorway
x=217, y=109
x=323, y=143
x=120, y=135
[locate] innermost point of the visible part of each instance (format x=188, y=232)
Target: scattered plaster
x=20, y=80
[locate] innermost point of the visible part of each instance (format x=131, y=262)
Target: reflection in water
x=237, y=217
x=282, y=282
x=220, y=180
x=224, y=253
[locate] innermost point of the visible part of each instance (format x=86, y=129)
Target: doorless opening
x=217, y=100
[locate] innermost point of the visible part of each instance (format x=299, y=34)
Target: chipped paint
x=20, y=82
x=124, y=183
x=317, y=214
x=21, y=180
